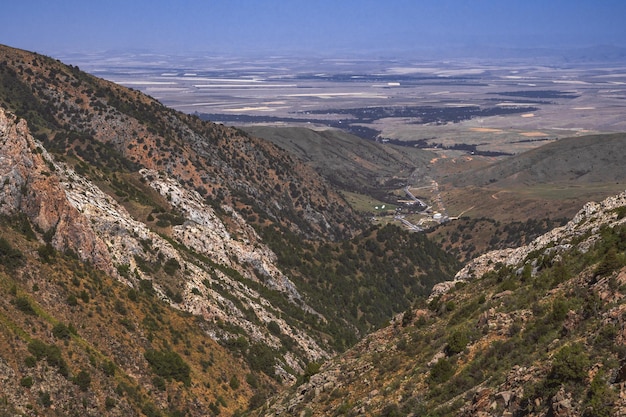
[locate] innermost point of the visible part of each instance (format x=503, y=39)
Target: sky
x=241, y=27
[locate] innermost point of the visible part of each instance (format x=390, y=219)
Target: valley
x=464, y=113
x=209, y=236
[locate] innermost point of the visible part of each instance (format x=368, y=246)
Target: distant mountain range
x=596, y=53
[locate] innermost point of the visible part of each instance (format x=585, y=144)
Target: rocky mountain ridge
x=584, y=225
x=101, y=127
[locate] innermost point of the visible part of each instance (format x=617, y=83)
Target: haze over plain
x=279, y=61
x=396, y=27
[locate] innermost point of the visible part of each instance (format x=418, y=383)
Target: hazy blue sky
x=243, y=26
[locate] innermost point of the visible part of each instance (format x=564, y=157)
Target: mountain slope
x=51, y=219
x=74, y=341
x=346, y=160
x=538, y=331
x=577, y=160
x=111, y=127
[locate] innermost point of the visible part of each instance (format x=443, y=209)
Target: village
x=413, y=212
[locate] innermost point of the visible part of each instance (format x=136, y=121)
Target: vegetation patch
x=169, y=365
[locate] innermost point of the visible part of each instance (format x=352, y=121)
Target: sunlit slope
x=586, y=160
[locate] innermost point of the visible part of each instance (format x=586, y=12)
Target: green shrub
x=171, y=266
x=38, y=349
x=407, y=317
x=46, y=252
x=146, y=286
x=391, y=410
x=150, y=410
x=44, y=399
x=560, y=308
x=109, y=403
x=26, y=382
x=169, y=365
x=234, y=382
x=72, y=301
x=457, y=342
x=570, y=364
x=21, y=224
x=261, y=358
x=23, y=304
x=120, y=307
x=441, y=371
x=61, y=331
x=159, y=383
x=83, y=380
x=127, y=323
x=108, y=367
x=600, y=398
x=175, y=296
x=124, y=270
x=133, y=295
x=51, y=353
x=252, y=380
x=10, y=257
x=274, y=328
x=84, y=295
x=609, y=263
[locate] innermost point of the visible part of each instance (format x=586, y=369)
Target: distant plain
x=507, y=106
x=441, y=121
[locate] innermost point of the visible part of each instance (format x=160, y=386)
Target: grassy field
x=367, y=204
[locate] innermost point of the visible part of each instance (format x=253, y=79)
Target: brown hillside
x=109, y=126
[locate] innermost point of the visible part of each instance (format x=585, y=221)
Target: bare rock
x=562, y=404
x=31, y=185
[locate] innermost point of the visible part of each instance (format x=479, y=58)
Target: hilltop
x=506, y=203
x=584, y=160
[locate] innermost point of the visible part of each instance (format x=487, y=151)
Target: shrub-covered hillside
x=534, y=331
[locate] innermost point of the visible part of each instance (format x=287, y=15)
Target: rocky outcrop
x=586, y=222
x=205, y=290
x=30, y=185
x=208, y=235
x=80, y=217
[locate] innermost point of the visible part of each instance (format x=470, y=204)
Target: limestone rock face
x=82, y=218
x=587, y=221
x=30, y=185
